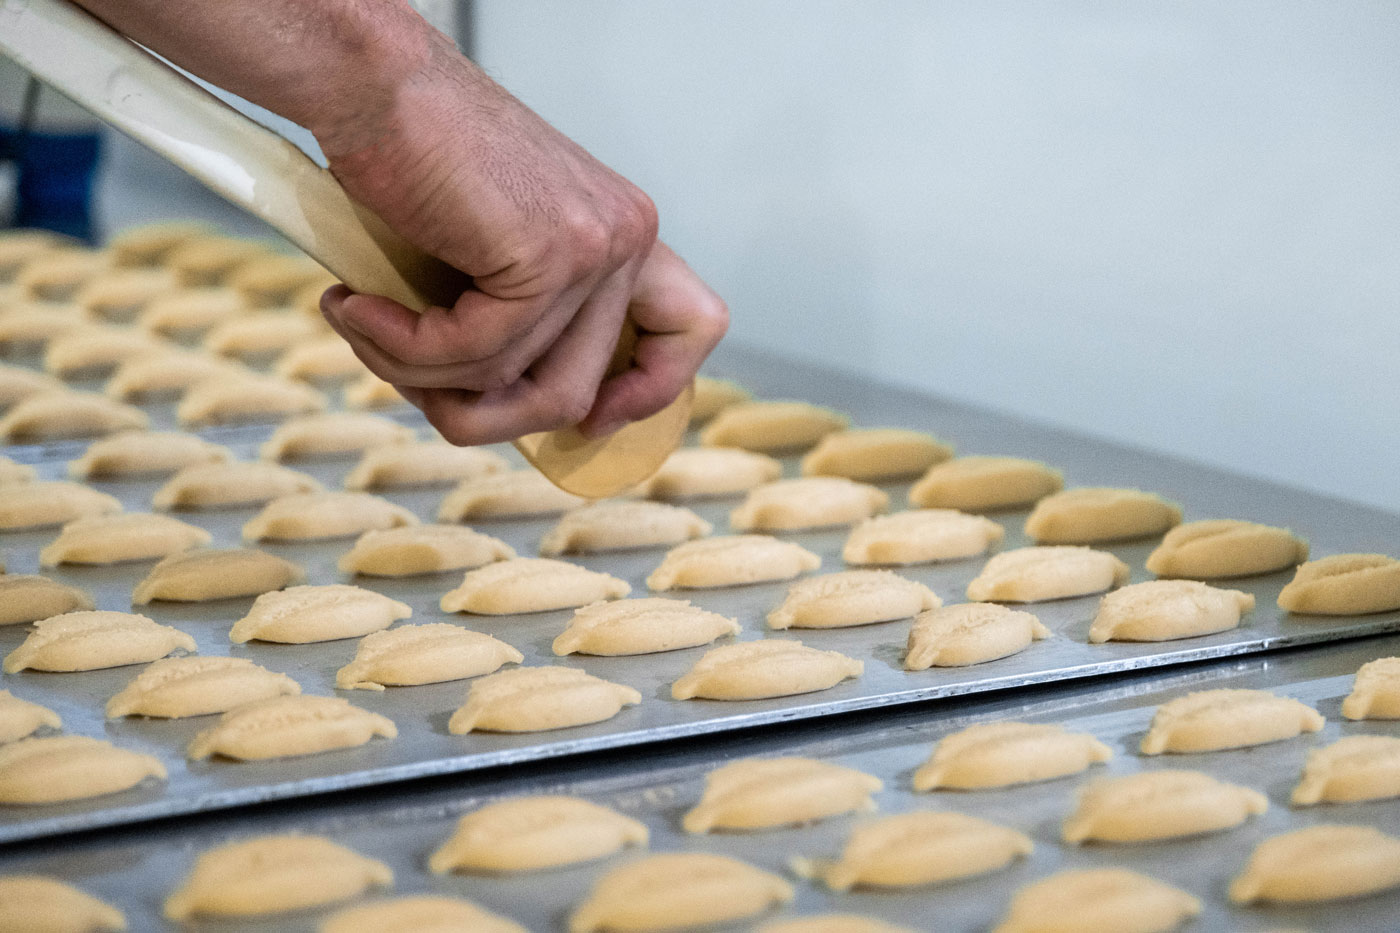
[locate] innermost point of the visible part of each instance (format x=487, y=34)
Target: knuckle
x=590, y=240
x=642, y=221
x=565, y=406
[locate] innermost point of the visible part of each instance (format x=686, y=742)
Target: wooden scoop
x=271, y=178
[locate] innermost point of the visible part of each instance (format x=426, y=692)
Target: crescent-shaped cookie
x=1375, y=693
x=808, y=502
x=52, y=502
x=330, y=434
x=1000, y=754
x=1037, y=574
x=1320, y=863
x=849, y=598
x=537, y=699
x=506, y=495
x=176, y=688
x=89, y=640
x=113, y=539
x=258, y=333
x=38, y=904
x=713, y=396
x=70, y=767
x=207, y=258
x=1225, y=548
x=149, y=244
x=423, y=654
x=202, y=575
x=284, y=726
x=1212, y=720
x=769, y=427
x=1159, y=805
x=1095, y=514
x=97, y=347
x=1162, y=610
x=763, y=793
x=622, y=525
x=641, y=626
x=33, y=324
x=1344, y=585
x=875, y=455
x=694, y=472
x=222, y=485
x=969, y=633
x=678, y=890
x=418, y=914
x=145, y=453
x=29, y=598
x=159, y=374
x=422, y=463
x=320, y=359
x=731, y=560
x=18, y=384
x=1358, y=767
x=757, y=670
x=61, y=413
x=531, y=833
x=526, y=584
x=302, y=614
x=420, y=549
x=190, y=311
x=369, y=391
x=316, y=516
x=1098, y=900
x=232, y=398
x=20, y=719
x=920, y=536
x=984, y=484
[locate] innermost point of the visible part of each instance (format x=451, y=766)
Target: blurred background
x=1172, y=225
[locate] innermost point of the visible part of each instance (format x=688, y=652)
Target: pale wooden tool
x=269, y=177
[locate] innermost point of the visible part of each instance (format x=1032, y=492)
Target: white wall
x=1175, y=224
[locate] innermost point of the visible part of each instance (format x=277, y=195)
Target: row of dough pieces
x=274, y=874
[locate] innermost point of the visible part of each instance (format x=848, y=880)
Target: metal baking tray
x=425, y=748
x=137, y=867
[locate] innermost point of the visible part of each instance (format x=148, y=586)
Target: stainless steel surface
x=136, y=868
x=425, y=748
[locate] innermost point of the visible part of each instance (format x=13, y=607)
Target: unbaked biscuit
x=694, y=472
x=1162, y=610
x=271, y=280
x=300, y=615
x=1225, y=548
x=369, y=391
x=61, y=413
x=506, y=495
x=322, y=359
x=202, y=575
x=52, y=502
x=330, y=434
x=20, y=719
x=1321, y=863
x=420, y=549
x=148, y=244
x=731, y=560
x=18, y=384
x=36, y=904
x=259, y=333
x=678, y=890
x=190, y=311
x=1375, y=694
x=1358, y=767
x=285, y=726
x=757, y=670
x=1000, y=754
x=537, y=699
x=118, y=294
x=641, y=626
x=161, y=374
x=622, y=525
x=419, y=914
x=113, y=539
x=315, y=516
x=273, y=875
x=851, y=597
x=176, y=688
x=969, y=633
x=1098, y=900
x=531, y=833
x=1344, y=585
x=423, y=654
x=712, y=396
x=221, y=484
x=1094, y=514
x=530, y=584
x=89, y=640
x=97, y=347
x=18, y=245
x=57, y=274
x=920, y=536
x=228, y=399
x=983, y=484
x=145, y=453
x=1154, y=805
x=763, y=793
x=808, y=502
x=29, y=598
x=1037, y=574
x=56, y=768
x=31, y=324
x=422, y=463
x=831, y=923
x=875, y=455
x=1212, y=720
x=768, y=427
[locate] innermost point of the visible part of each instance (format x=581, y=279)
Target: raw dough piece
x=771, y=426
x=148, y=244
x=62, y=413
x=731, y=560
x=160, y=374
x=117, y=294
x=619, y=525
x=712, y=396
x=969, y=633
x=324, y=359
x=225, y=399
x=1094, y=514
x=641, y=626
x=809, y=502
x=526, y=584
x=1036, y=574
x=1344, y=585
x=176, y=688
x=692, y=472
x=919, y=848
x=369, y=391
x=983, y=484
x=299, y=615
x=56, y=275
x=314, y=516
x=422, y=463
x=536, y=699
x=1212, y=720
x=97, y=347
x=221, y=485
x=70, y=767
x=17, y=384
x=258, y=333
x=676, y=891
x=29, y=598
x=200, y=576
x=763, y=793
x=340, y=432
x=18, y=245
x=1225, y=548
x=268, y=281
x=112, y=539
x=12, y=472
x=1321, y=863
x=421, y=914
x=30, y=324
x=20, y=719
x=423, y=654
x=875, y=455
x=1098, y=900
x=51, y=502
x=36, y=904
x=1358, y=767
x=145, y=453
x=273, y=875
x=530, y=833
x=90, y=640
x=920, y=536
x=757, y=670
x=190, y=311
x=831, y=923
x=1161, y=610
x=283, y=726
x=418, y=549
x=851, y=597
x=1375, y=694
x=1155, y=805
x=1000, y=754
x=506, y=495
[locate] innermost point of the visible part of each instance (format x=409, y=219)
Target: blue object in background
x=54, y=190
